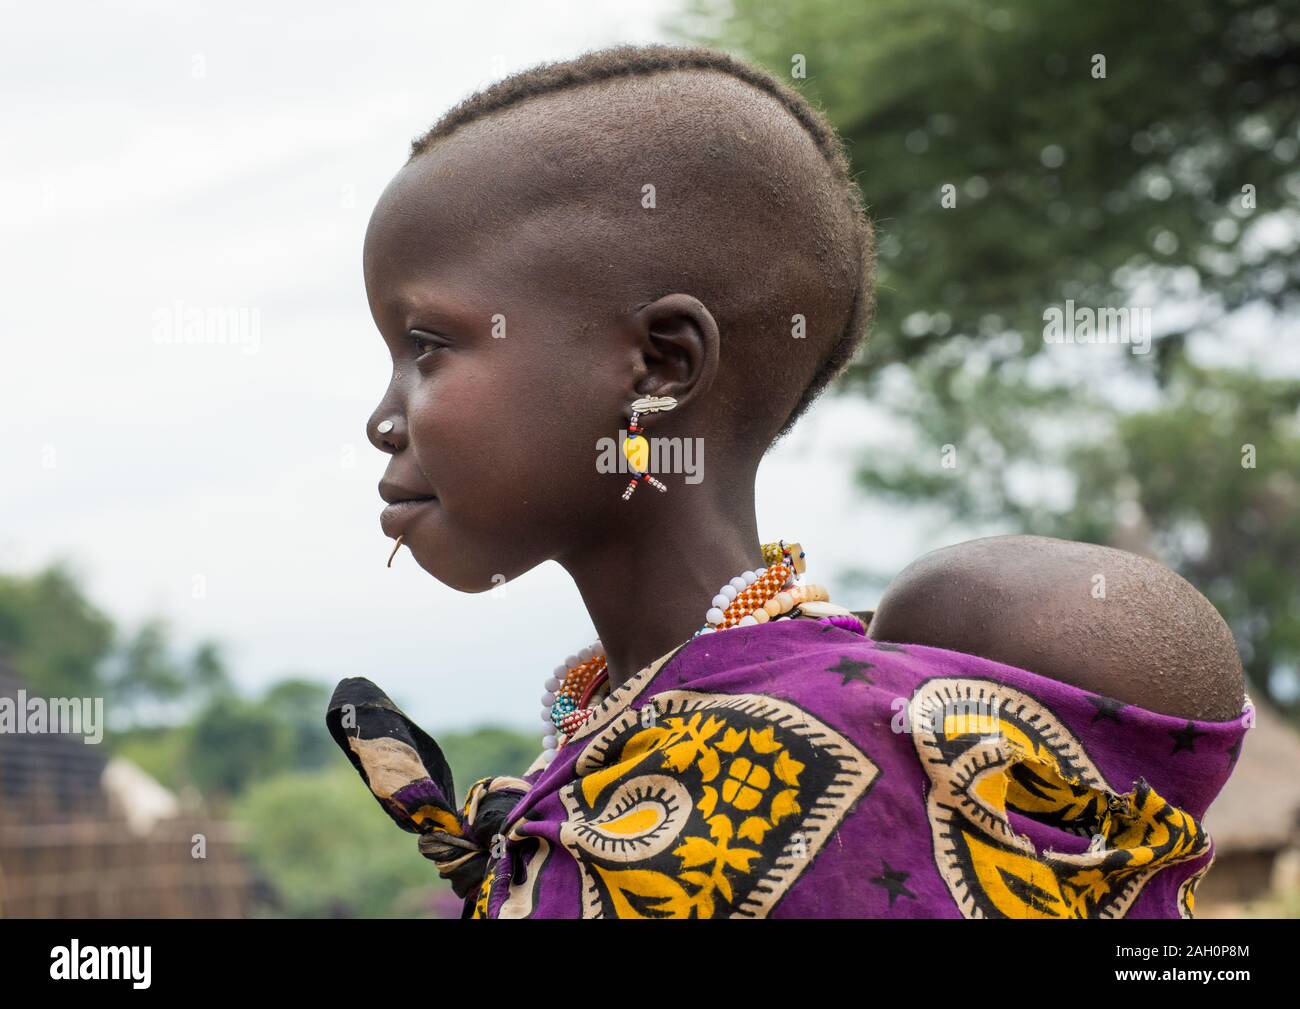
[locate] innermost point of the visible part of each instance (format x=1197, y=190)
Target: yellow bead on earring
x=637, y=450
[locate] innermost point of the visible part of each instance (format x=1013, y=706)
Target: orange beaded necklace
x=751, y=598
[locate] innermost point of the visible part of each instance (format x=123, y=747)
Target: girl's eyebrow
x=428, y=310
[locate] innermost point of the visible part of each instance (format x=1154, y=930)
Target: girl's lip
x=396, y=517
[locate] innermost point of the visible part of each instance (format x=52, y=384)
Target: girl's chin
x=455, y=570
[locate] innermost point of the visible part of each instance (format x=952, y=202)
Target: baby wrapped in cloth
x=801, y=769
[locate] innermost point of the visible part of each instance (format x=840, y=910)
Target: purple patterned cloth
x=800, y=769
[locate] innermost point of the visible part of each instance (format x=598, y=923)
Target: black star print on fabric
x=1185, y=738
x=851, y=669
x=1234, y=751
x=893, y=880
x=885, y=646
x=1107, y=707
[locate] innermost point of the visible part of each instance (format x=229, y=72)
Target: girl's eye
x=424, y=344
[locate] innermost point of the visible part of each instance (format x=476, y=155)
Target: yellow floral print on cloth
x=991, y=752
x=712, y=810
x=796, y=769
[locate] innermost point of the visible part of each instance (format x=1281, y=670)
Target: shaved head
x=676, y=169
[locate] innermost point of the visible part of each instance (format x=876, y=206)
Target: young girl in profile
x=665, y=246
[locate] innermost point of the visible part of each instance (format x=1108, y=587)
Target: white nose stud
x=384, y=426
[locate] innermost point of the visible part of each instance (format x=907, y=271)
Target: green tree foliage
x=1068, y=184
x=231, y=741
x=146, y=672
x=1215, y=472
x=299, y=705
x=489, y=751
x=55, y=638
x=1016, y=154
x=234, y=742
x=209, y=676
x=161, y=751
x=1208, y=479
x=328, y=850
x=314, y=832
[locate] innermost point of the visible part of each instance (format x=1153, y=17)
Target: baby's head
x=638, y=221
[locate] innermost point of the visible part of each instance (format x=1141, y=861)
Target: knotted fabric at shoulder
x=411, y=779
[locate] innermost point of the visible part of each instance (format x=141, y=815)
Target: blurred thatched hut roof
x=1259, y=807
x=47, y=774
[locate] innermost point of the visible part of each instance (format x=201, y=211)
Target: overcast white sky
x=226, y=156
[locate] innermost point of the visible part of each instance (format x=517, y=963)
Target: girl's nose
x=387, y=433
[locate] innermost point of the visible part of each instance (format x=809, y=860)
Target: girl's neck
x=648, y=584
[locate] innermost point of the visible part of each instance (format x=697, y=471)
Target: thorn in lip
x=396, y=547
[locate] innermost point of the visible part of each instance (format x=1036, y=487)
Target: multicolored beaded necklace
x=752, y=597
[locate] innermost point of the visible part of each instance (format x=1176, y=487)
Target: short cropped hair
x=815, y=213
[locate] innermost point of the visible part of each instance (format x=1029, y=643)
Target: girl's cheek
x=451, y=438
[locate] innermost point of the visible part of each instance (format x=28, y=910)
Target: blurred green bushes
x=317, y=840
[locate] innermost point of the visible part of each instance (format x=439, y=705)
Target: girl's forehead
x=467, y=220
x=459, y=201
x=440, y=241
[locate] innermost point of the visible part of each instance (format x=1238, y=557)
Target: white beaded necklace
x=750, y=598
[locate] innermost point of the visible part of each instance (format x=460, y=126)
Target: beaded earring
x=635, y=447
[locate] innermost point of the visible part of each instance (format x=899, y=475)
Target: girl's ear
x=678, y=348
